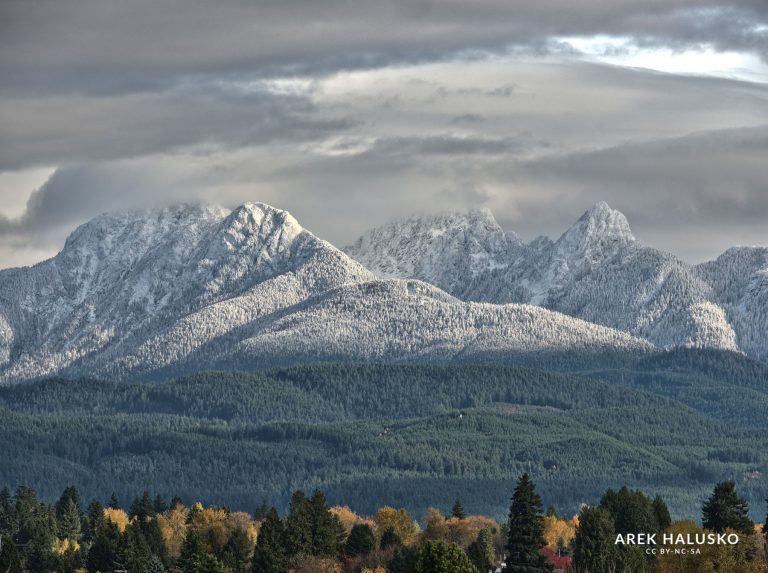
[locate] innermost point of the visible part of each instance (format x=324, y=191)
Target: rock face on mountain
x=599, y=272
x=181, y=289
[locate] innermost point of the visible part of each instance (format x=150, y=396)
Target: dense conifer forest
x=370, y=435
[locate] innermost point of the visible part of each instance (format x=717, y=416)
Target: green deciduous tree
x=438, y=556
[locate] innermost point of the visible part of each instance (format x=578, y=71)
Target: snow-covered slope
x=449, y=251
x=160, y=292
x=739, y=279
x=597, y=271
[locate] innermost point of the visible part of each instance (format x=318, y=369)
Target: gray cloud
x=65, y=129
x=349, y=113
x=89, y=46
x=692, y=195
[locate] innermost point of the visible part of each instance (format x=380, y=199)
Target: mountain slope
x=739, y=279
x=597, y=271
x=146, y=294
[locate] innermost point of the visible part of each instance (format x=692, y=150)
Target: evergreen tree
x=593, y=546
x=142, y=507
x=269, y=555
x=237, y=551
x=261, y=512
x=192, y=552
x=661, y=512
x=114, y=503
x=70, y=493
x=94, y=519
x=327, y=533
x=137, y=551
x=154, y=565
x=40, y=558
x=726, y=510
x=631, y=511
x=159, y=505
x=481, y=551
x=361, y=540
x=298, y=525
x=438, y=556
x=458, y=510
x=154, y=536
x=70, y=521
x=176, y=501
x=526, y=531
x=106, y=552
x=208, y=563
x=9, y=556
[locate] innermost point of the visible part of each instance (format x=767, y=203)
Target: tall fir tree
x=237, y=551
x=593, y=546
x=193, y=550
x=726, y=510
x=137, y=550
x=327, y=533
x=106, y=553
x=93, y=520
x=70, y=521
x=142, y=507
x=159, y=505
x=114, y=503
x=269, y=555
x=458, y=510
x=526, y=530
x=298, y=525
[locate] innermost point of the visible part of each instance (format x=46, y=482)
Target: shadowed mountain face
x=596, y=271
x=142, y=294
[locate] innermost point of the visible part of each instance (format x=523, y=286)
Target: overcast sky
x=351, y=112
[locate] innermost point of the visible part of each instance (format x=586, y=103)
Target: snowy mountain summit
x=597, y=271
x=158, y=293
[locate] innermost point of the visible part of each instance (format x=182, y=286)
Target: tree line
x=153, y=536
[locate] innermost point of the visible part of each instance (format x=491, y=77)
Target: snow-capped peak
x=599, y=231
x=441, y=249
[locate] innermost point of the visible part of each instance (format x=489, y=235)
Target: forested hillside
x=413, y=435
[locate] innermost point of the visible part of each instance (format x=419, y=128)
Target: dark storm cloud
x=91, y=46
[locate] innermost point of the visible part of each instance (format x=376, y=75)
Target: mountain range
x=150, y=294
x=596, y=270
